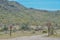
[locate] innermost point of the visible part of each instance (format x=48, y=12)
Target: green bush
x=44, y=31
x=5, y=28
x=25, y=27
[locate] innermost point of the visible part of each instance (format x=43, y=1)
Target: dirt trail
x=38, y=37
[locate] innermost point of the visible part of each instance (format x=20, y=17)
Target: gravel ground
x=38, y=37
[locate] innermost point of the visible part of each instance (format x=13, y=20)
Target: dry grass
x=20, y=34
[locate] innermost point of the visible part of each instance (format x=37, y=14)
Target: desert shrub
x=25, y=27
x=44, y=31
x=5, y=28
x=1, y=30
x=33, y=32
x=37, y=29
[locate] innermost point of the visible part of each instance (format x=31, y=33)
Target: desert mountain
x=11, y=12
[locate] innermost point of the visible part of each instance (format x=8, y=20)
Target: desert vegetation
x=17, y=20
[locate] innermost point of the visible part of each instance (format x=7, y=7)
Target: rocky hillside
x=12, y=12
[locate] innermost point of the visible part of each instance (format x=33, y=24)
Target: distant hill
x=12, y=12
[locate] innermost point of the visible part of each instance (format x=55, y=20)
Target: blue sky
x=41, y=4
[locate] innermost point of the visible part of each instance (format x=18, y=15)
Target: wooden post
x=49, y=28
x=10, y=30
x=52, y=30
